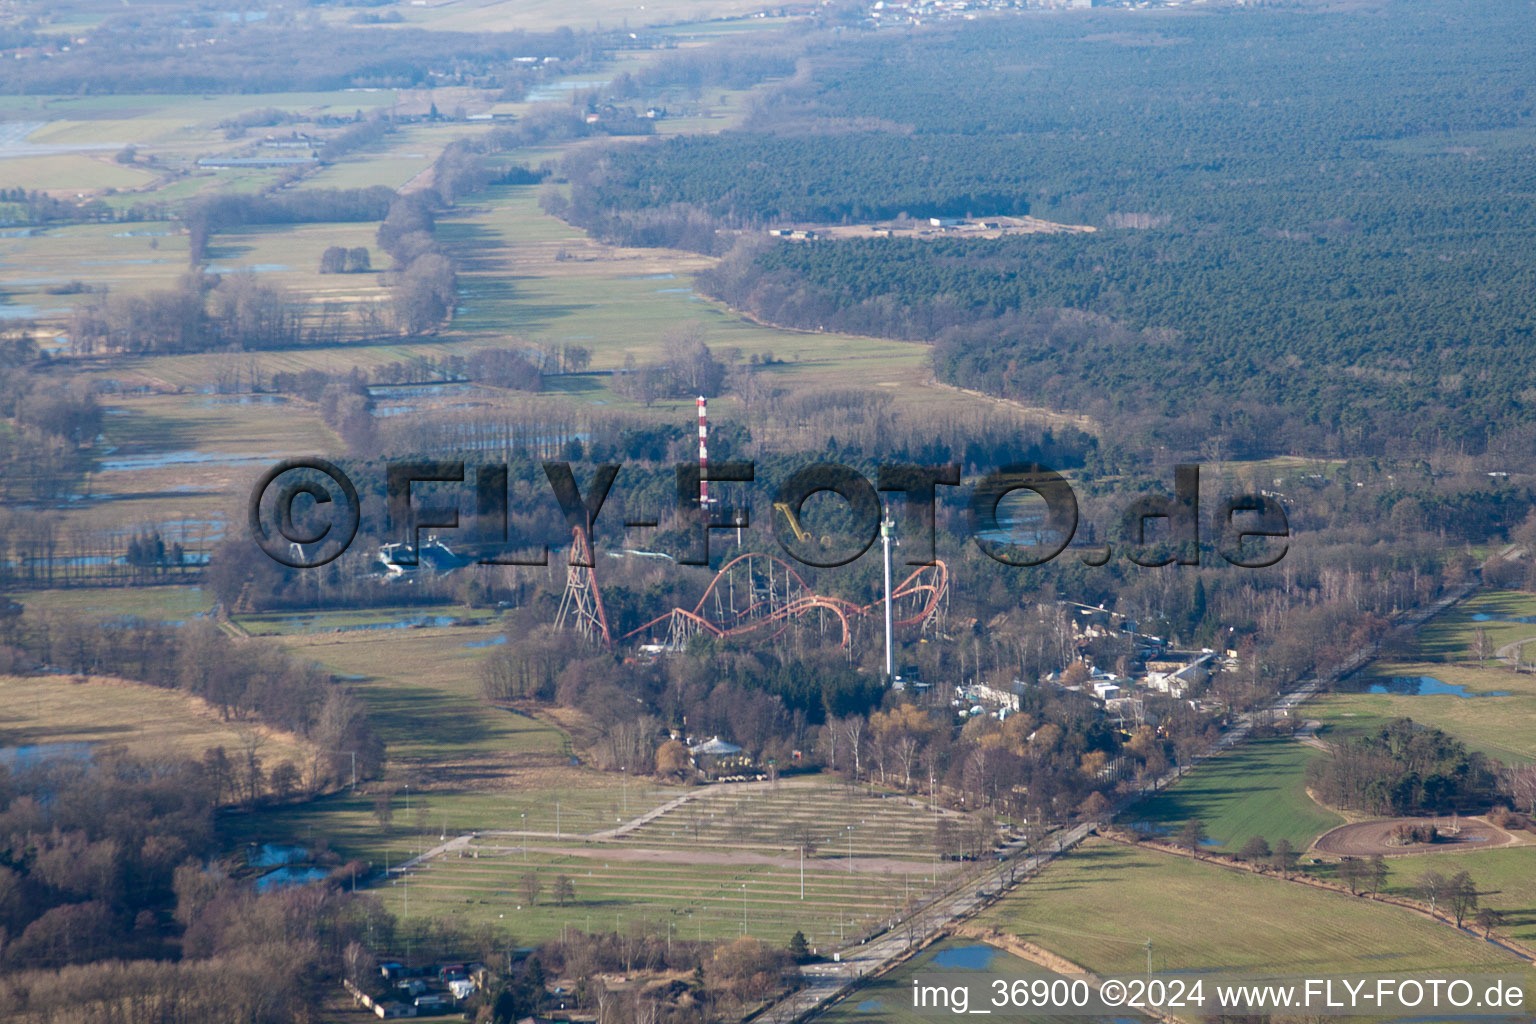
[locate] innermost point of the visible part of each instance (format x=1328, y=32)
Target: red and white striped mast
x=703, y=452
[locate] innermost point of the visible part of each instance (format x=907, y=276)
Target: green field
x=723, y=864
x=66, y=172
x=533, y=15
x=1506, y=881
x=571, y=801
x=1258, y=789
x=154, y=604
x=149, y=721
x=1448, y=637
x=1503, y=727
x=1100, y=906
x=183, y=464
x=871, y=856
x=423, y=697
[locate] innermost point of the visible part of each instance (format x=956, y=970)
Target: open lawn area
x=149, y=721
x=423, y=697
x=1100, y=905
x=1258, y=789
x=1449, y=637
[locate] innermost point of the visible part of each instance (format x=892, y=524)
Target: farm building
x=715, y=747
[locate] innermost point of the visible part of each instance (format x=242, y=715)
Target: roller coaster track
x=763, y=594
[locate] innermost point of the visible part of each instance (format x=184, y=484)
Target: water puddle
x=552, y=91
x=255, y=268
x=163, y=460
x=313, y=624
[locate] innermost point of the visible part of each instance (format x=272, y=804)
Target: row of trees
x=199, y=313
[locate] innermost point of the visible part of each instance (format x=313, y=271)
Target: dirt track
x=1368, y=838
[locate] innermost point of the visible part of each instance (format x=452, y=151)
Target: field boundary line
x=1514, y=946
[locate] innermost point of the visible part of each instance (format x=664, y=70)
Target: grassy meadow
x=148, y=721
x=724, y=863
x=1505, y=878
x=1101, y=905
x=1258, y=789
x=423, y=696
x=1502, y=726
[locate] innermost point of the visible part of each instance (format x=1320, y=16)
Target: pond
x=32, y=754
x=969, y=958
x=283, y=877
x=271, y=855
x=162, y=460
x=254, y=268
x=1420, y=686
x=244, y=400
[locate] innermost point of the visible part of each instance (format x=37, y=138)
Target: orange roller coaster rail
x=761, y=593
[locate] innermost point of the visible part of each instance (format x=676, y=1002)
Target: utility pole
x=887, y=529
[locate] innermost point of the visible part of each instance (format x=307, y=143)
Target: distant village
x=885, y=13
